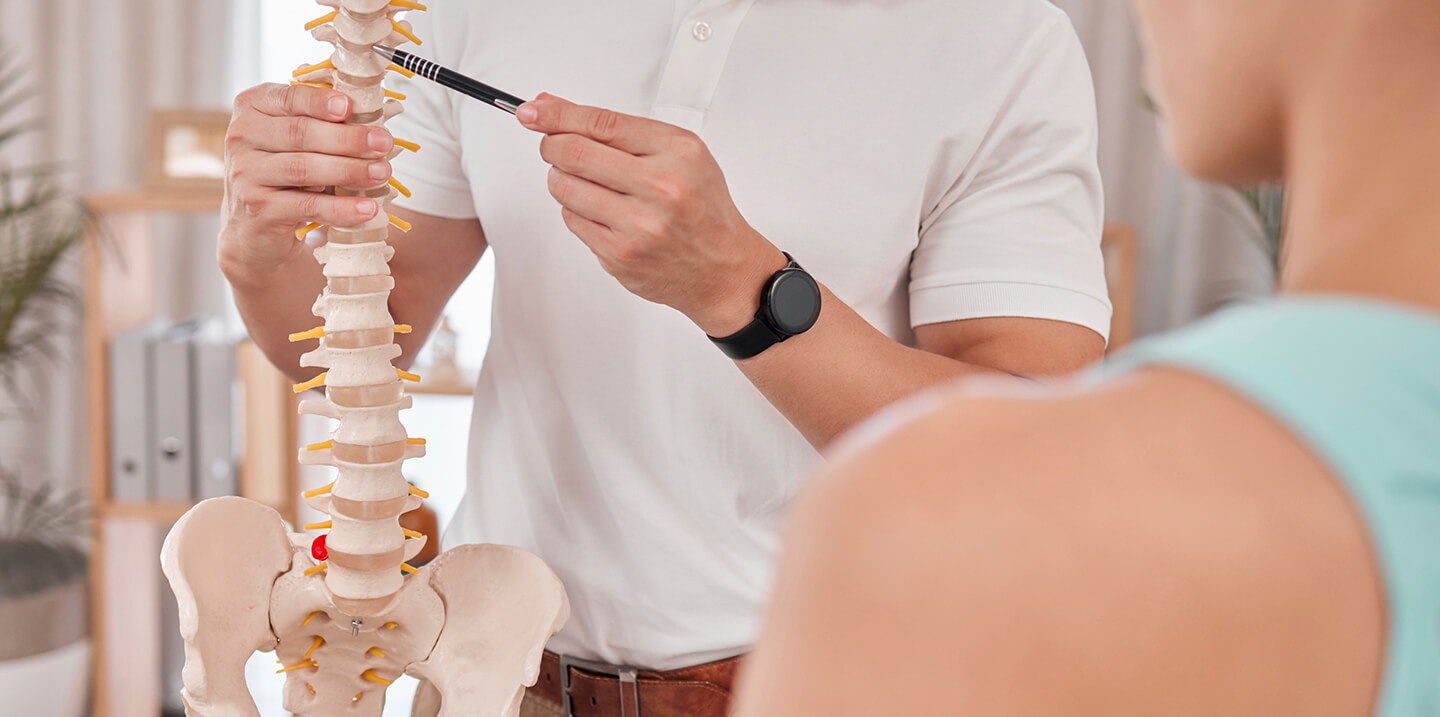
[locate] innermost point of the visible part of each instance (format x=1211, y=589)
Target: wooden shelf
x=155, y=201
x=157, y=512
x=124, y=574
x=464, y=386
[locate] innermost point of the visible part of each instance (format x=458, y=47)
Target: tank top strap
x=1359, y=382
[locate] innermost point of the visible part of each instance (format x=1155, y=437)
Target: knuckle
x=573, y=153
x=296, y=170
x=650, y=228
x=247, y=98
x=689, y=144
x=235, y=137
x=289, y=99
x=668, y=189
x=253, y=206
x=296, y=132
x=311, y=205
x=238, y=171
x=627, y=252
x=603, y=123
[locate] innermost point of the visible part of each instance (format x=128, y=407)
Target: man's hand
x=281, y=139
x=652, y=204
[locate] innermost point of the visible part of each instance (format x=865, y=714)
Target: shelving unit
x=465, y=386
x=124, y=558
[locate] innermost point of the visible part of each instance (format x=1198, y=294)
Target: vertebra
x=349, y=615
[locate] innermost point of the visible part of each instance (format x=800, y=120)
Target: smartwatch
x=789, y=306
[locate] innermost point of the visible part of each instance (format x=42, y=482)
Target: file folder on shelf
x=172, y=385
x=217, y=439
x=131, y=470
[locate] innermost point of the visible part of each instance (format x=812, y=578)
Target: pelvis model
x=343, y=611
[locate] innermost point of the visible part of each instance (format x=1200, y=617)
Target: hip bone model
x=343, y=611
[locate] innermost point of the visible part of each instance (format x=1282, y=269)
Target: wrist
x=243, y=270
x=734, y=307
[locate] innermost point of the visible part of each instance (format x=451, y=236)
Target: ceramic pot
x=44, y=654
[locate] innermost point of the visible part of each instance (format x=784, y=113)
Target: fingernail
x=527, y=114
x=380, y=170
x=366, y=207
x=338, y=106
x=381, y=141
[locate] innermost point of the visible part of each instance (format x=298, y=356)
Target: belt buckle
x=628, y=677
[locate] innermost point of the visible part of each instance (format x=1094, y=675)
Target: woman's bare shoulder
x=1131, y=545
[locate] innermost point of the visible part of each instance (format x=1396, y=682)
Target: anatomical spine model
x=343, y=611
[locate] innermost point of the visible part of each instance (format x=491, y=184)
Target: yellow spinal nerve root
x=322, y=65
x=317, y=22
x=322, y=490
x=316, y=333
x=316, y=382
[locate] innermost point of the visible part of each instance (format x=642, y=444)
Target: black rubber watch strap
x=759, y=335
x=748, y=342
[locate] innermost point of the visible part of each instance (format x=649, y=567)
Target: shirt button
x=702, y=31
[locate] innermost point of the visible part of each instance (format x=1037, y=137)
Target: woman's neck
x=1363, y=176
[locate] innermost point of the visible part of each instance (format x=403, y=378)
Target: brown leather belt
x=599, y=690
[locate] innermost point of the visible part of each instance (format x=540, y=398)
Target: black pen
x=452, y=79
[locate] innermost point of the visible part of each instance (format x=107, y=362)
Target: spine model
x=343, y=611
x=365, y=548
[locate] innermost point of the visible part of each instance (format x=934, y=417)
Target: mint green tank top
x=1359, y=382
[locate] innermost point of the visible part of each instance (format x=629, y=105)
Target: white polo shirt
x=928, y=160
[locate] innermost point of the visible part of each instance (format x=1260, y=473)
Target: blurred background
x=110, y=116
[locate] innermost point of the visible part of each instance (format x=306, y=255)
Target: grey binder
x=172, y=454
x=131, y=476
x=217, y=442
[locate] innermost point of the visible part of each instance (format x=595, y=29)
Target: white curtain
x=1200, y=247
x=99, y=67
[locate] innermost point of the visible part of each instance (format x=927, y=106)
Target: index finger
x=637, y=135
x=297, y=100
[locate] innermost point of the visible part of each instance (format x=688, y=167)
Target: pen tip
x=388, y=52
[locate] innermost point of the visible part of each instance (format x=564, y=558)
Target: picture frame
x=186, y=152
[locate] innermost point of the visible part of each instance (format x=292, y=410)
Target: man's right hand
x=285, y=144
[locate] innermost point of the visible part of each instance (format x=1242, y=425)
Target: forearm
x=276, y=303
x=651, y=202
x=842, y=371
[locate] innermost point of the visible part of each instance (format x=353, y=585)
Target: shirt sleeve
x=1018, y=234
x=435, y=175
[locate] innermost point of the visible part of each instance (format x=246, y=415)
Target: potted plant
x=44, y=653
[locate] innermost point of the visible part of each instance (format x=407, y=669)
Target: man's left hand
x=652, y=204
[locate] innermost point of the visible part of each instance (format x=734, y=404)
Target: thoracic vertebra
x=339, y=609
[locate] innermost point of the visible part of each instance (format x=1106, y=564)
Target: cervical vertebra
x=339, y=610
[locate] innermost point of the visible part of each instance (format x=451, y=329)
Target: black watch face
x=794, y=302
